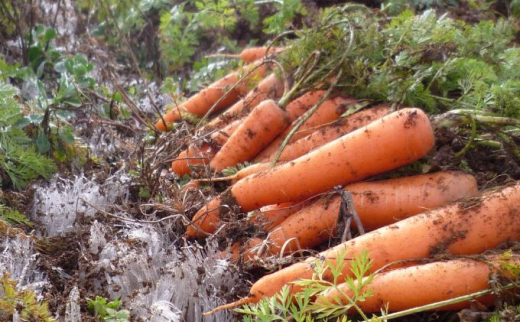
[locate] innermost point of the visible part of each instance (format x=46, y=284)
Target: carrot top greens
x=429, y=61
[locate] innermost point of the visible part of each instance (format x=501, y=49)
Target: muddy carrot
x=264, y=123
x=405, y=288
x=470, y=226
x=269, y=88
x=194, y=155
x=388, y=143
x=323, y=135
x=270, y=216
x=260, y=127
x=202, y=102
x=377, y=203
x=330, y=110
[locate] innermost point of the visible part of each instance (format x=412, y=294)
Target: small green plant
x=230, y=171
x=23, y=302
x=302, y=306
x=13, y=217
x=107, y=311
x=41, y=52
x=20, y=161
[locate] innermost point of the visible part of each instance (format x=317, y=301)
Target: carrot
x=377, y=203
x=329, y=110
x=294, y=109
x=252, y=54
x=470, y=226
x=272, y=215
x=203, y=101
x=190, y=157
x=420, y=285
x=264, y=123
x=194, y=155
x=269, y=88
x=388, y=143
x=318, y=138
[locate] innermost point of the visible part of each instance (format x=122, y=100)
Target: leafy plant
x=23, y=302
x=20, y=161
x=46, y=110
x=16, y=21
x=302, y=306
x=286, y=11
x=41, y=52
x=13, y=217
x=107, y=311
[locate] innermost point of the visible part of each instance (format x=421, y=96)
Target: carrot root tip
x=240, y=302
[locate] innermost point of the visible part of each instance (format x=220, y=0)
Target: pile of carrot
x=316, y=159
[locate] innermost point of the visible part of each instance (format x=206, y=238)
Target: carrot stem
x=456, y=118
x=302, y=120
x=471, y=140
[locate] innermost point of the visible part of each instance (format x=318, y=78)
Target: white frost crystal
x=160, y=282
x=56, y=206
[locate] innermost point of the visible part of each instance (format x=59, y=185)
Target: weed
x=20, y=161
x=13, y=217
x=107, y=311
x=14, y=302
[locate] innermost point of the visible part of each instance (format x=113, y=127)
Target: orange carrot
x=203, y=101
x=388, y=143
x=294, y=109
x=252, y=54
x=269, y=88
x=300, y=105
x=329, y=110
x=272, y=215
x=254, y=139
x=318, y=138
x=194, y=155
x=377, y=203
x=467, y=227
x=264, y=123
x=420, y=285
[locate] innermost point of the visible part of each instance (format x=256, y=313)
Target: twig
x=463, y=151
x=134, y=61
x=122, y=218
x=108, y=122
x=56, y=15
